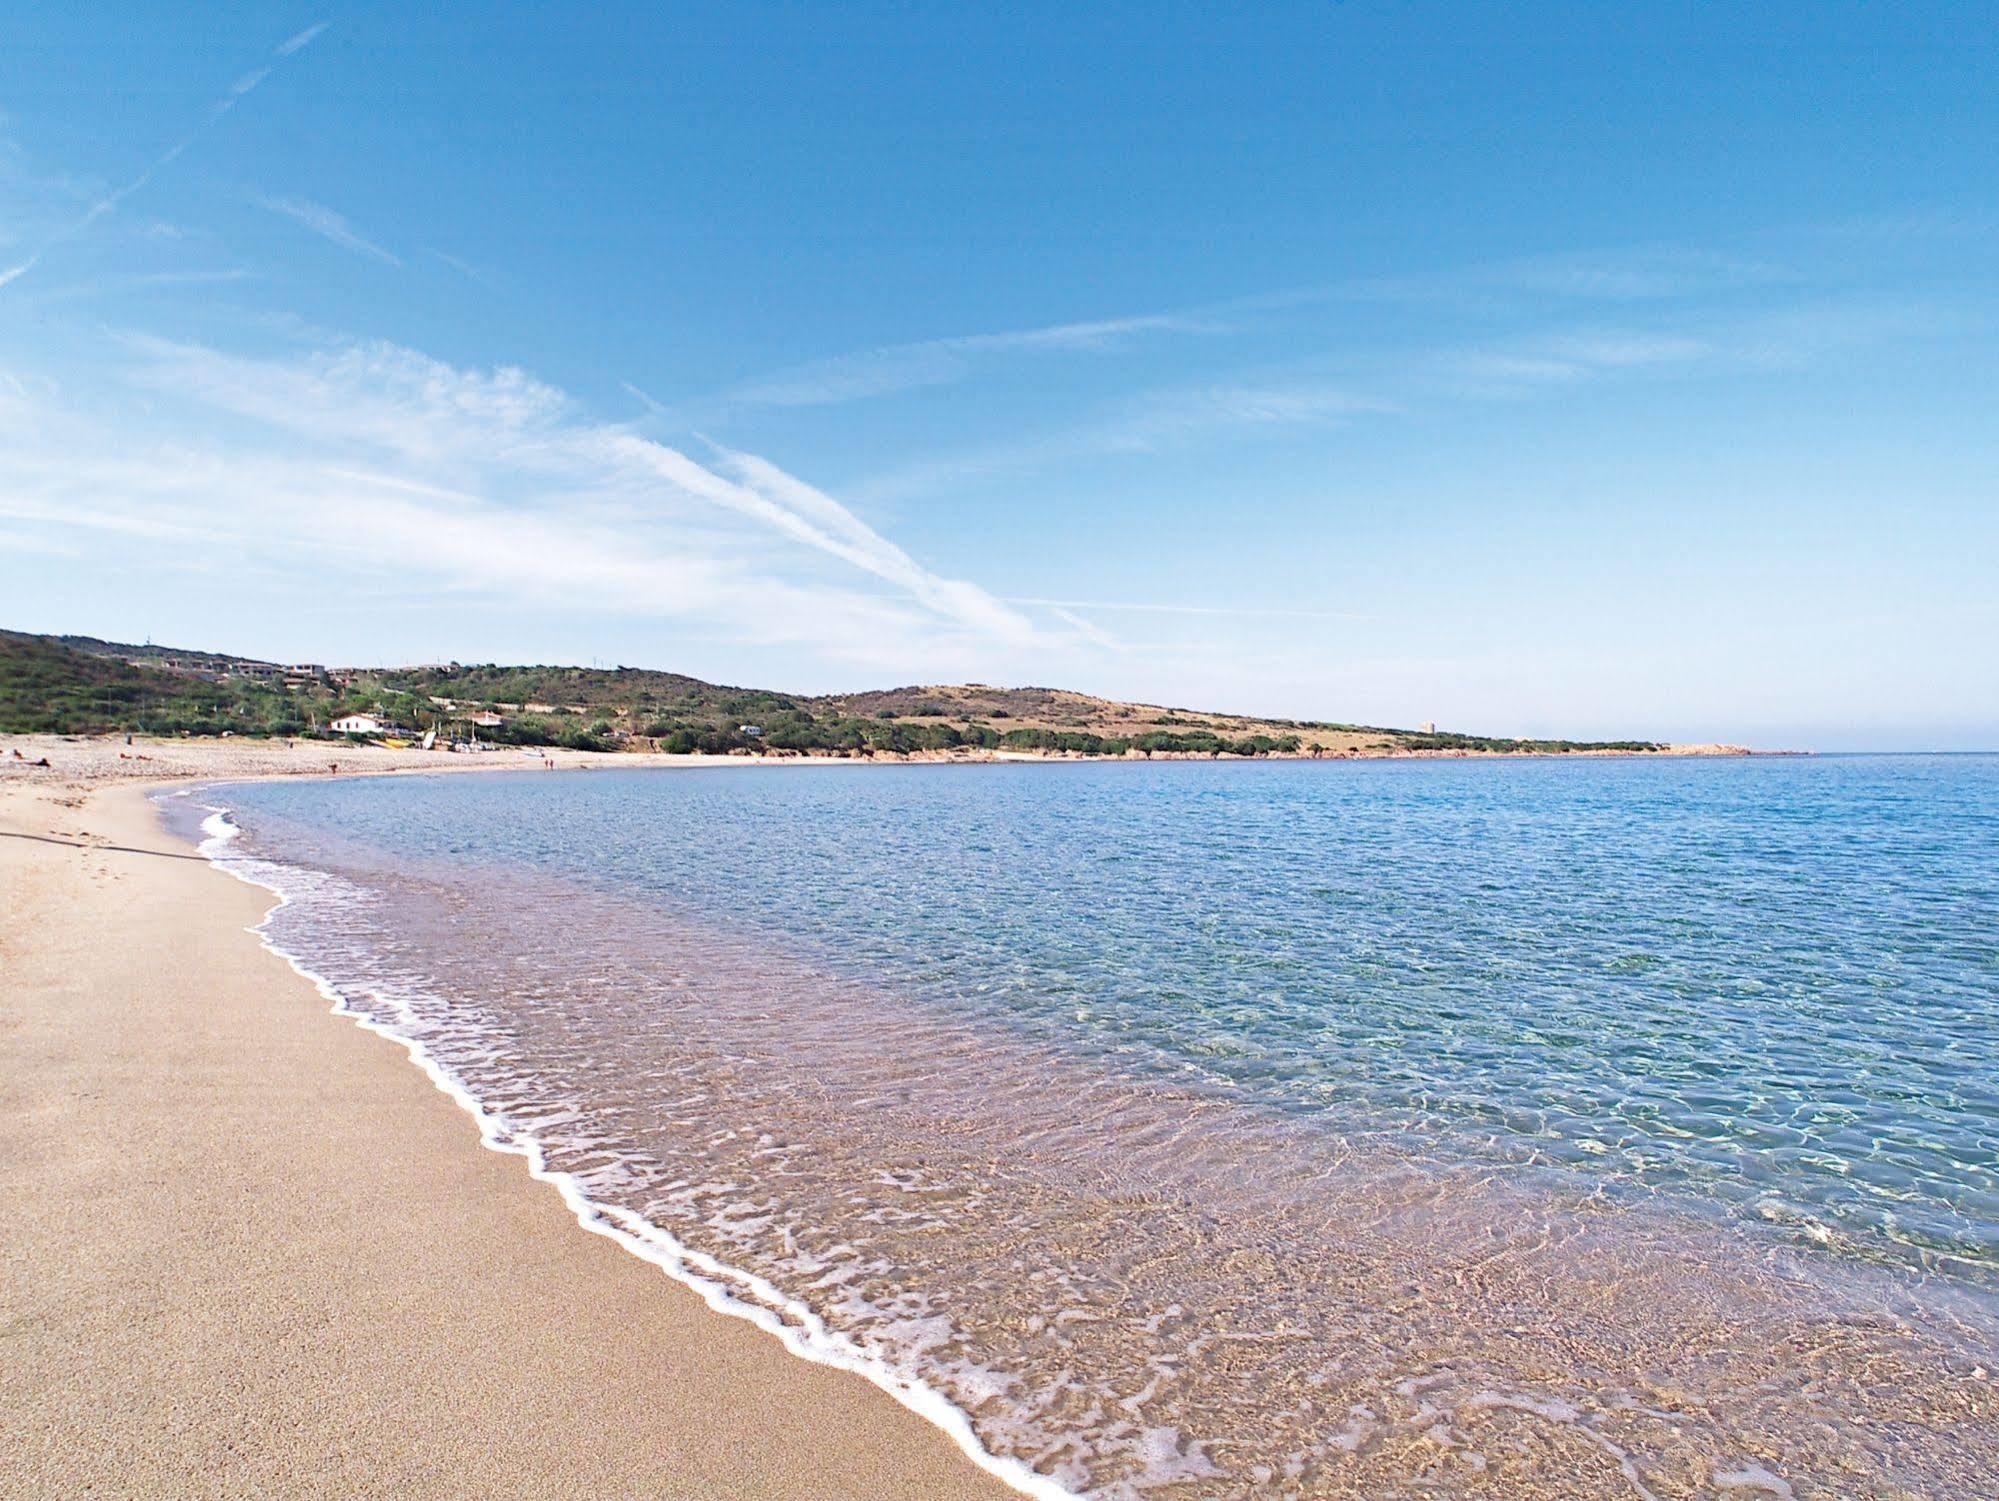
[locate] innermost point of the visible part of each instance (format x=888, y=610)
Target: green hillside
x=81, y=685
x=48, y=686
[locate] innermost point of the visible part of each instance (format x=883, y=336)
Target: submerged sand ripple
x=1138, y=1284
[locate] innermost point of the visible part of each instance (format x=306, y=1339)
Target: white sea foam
x=1116, y=1277
x=725, y=1289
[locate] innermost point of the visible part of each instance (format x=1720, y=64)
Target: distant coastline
x=79, y=685
x=74, y=763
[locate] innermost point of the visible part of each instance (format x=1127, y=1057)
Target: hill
x=76, y=686
x=82, y=685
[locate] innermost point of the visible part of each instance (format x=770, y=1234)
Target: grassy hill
x=81, y=685
x=50, y=685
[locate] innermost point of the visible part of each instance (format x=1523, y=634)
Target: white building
x=360, y=724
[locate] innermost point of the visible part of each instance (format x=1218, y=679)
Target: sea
x=1619, y=1127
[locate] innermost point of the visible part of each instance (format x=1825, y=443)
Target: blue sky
x=1589, y=369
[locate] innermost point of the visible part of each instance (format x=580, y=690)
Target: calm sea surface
x=1596, y=1127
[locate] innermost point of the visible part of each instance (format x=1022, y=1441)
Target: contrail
x=240, y=89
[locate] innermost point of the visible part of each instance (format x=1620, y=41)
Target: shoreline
x=1687, y=1294
x=92, y=761
x=261, y=1321
x=344, y=1296
x=725, y=1289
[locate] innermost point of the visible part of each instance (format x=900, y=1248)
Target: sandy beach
x=252, y=1250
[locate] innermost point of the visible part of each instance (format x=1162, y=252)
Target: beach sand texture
x=252, y=1251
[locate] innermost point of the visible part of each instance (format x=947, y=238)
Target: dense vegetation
x=79, y=685
x=1418, y=741
x=46, y=686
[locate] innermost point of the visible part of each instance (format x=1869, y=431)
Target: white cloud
x=138, y=281
x=243, y=86
x=1274, y=612
x=1636, y=274
x=463, y=267
x=374, y=393
x=292, y=44
x=373, y=459
x=931, y=362
x=406, y=405
x=1152, y=422
x=328, y=224
x=37, y=546
x=1173, y=416
x=1617, y=275
x=835, y=528
x=1165, y=419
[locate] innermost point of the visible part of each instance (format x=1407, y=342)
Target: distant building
x=488, y=721
x=1428, y=727
x=360, y=724
x=193, y=667
x=754, y=731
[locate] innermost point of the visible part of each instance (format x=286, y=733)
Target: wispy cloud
x=645, y=399
x=1122, y=606
x=827, y=524
x=108, y=203
x=462, y=267
x=1562, y=359
x=239, y=88
x=328, y=224
x=1763, y=339
x=1628, y=274
x=1156, y=421
x=1652, y=343
x=34, y=546
x=1170, y=416
x=368, y=457
x=139, y=281
x=1641, y=274
x=931, y=362
x=1617, y=275
x=304, y=39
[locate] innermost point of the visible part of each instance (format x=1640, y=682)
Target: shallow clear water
x=1611, y=1127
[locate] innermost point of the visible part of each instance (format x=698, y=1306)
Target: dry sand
x=95, y=761
x=250, y=1250
x=78, y=761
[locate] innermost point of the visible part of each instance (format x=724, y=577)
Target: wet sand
x=251, y=1250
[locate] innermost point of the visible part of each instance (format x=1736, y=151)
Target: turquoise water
x=1749, y=1007
x=1749, y=978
